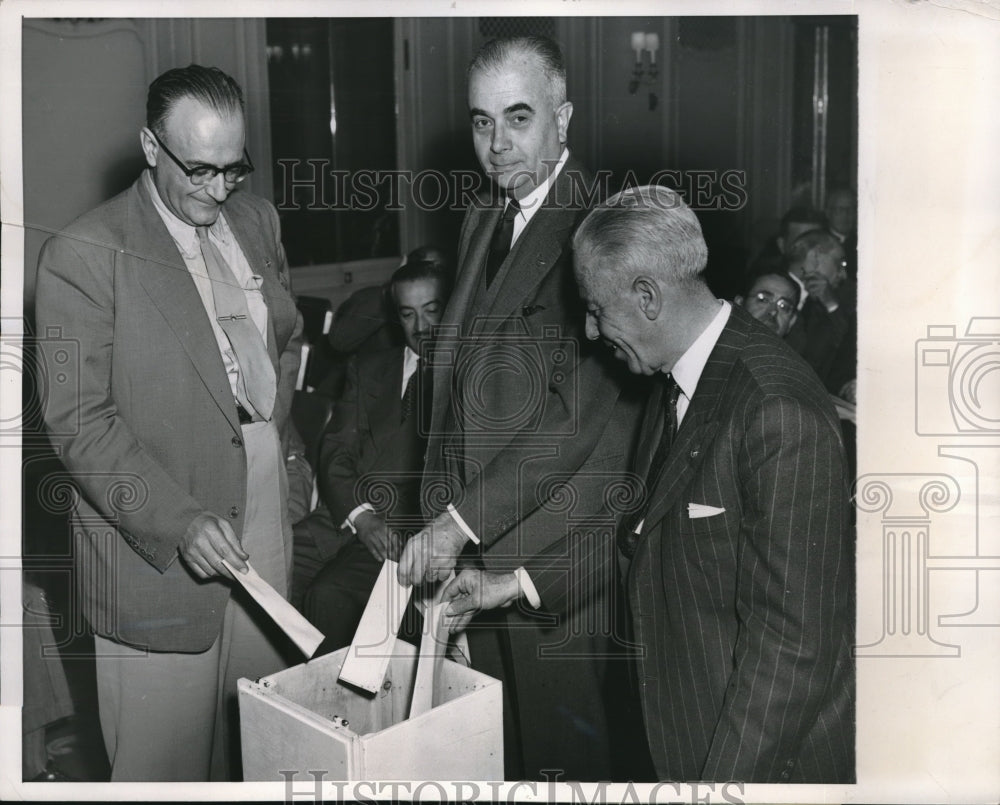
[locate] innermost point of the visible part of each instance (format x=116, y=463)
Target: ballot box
x=428, y=718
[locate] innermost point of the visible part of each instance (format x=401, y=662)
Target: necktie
x=417, y=398
x=628, y=539
x=426, y=398
x=500, y=244
x=409, y=401
x=257, y=387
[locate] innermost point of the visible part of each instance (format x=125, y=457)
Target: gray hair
x=649, y=230
x=497, y=52
x=805, y=243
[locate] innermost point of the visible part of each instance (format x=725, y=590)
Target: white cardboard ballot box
x=304, y=720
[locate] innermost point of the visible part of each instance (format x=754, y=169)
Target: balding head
x=498, y=53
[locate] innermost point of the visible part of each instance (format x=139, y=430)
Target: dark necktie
x=257, y=388
x=426, y=398
x=628, y=539
x=500, y=244
x=409, y=402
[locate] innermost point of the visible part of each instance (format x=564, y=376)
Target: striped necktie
x=258, y=385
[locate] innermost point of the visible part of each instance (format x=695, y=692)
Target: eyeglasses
x=783, y=305
x=203, y=174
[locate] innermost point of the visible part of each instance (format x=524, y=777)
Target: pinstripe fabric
x=747, y=615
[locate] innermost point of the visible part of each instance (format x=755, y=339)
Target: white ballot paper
x=368, y=658
x=306, y=636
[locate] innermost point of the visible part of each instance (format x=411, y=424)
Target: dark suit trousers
x=556, y=717
x=336, y=599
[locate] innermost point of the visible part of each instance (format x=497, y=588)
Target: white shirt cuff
x=349, y=522
x=462, y=524
x=528, y=587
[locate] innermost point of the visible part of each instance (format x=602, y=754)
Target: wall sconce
x=641, y=74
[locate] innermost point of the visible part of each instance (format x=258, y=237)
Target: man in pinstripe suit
x=738, y=563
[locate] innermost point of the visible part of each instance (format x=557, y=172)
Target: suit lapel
x=541, y=243
x=701, y=422
x=648, y=436
x=531, y=259
x=475, y=241
x=162, y=272
x=480, y=228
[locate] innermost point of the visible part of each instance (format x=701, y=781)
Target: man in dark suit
x=176, y=293
x=526, y=422
x=372, y=456
x=825, y=330
x=738, y=566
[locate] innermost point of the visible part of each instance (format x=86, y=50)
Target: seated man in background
x=825, y=331
x=842, y=212
x=794, y=223
x=773, y=299
x=364, y=323
x=359, y=324
x=371, y=456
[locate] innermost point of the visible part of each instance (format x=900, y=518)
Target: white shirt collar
x=687, y=371
x=803, y=293
x=410, y=362
x=532, y=202
x=183, y=233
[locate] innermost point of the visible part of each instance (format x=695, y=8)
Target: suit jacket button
x=234, y=512
x=237, y=441
x=693, y=454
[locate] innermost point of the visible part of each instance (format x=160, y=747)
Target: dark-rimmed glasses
x=204, y=174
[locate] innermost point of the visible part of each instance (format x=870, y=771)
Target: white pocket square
x=696, y=510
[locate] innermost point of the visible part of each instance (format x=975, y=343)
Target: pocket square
x=696, y=510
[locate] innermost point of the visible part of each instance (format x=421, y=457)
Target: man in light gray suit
x=177, y=293
x=739, y=564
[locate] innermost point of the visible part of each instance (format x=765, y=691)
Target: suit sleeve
x=511, y=487
x=75, y=297
x=791, y=589
x=340, y=449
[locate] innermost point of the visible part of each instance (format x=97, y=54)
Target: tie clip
x=230, y=318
